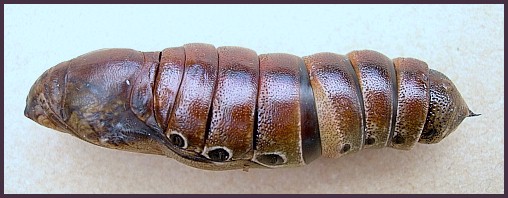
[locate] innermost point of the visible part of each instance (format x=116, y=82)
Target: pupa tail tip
x=472, y=114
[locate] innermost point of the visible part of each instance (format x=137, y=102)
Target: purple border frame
x=218, y=2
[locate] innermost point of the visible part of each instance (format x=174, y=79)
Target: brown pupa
x=228, y=108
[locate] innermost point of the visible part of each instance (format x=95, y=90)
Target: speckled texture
x=279, y=114
x=413, y=102
x=195, y=96
x=234, y=102
x=376, y=76
x=167, y=83
x=463, y=42
x=338, y=103
x=447, y=109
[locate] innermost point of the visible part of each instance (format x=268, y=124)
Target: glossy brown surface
x=338, y=102
x=90, y=96
x=167, y=83
x=377, y=78
x=192, y=105
x=234, y=103
x=142, y=89
x=279, y=125
x=447, y=109
x=228, y=108
x=413, y=101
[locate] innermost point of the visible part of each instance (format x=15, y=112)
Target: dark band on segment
x=311, y=142
x=395, y=102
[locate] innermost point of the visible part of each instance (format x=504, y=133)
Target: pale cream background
x=463, y=41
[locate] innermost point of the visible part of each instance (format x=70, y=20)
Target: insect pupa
x=230, y=108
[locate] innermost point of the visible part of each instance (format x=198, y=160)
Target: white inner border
x=281, y=154
x=185, y=144
x=207, y=149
